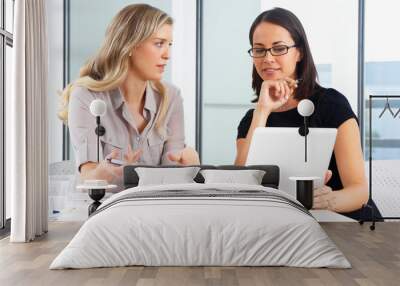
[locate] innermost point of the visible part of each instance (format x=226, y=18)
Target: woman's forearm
x=87, y=171
x=260, y=117
x=349, y=199
x=95, y=171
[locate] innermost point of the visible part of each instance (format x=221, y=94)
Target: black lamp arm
x=305, y=138
x=100, y=131
x=303, y=131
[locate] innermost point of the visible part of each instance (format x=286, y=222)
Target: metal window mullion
x=199, y=77
x=360, y=69
x=66, y=71
x=2, y=125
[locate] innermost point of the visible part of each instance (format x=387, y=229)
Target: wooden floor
x=374, y=255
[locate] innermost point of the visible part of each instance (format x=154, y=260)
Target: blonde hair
x=108, y=68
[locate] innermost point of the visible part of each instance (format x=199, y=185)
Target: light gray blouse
x=121, y=128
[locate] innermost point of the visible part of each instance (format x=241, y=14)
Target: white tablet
x=284, y=147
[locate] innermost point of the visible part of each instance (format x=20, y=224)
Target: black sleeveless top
x=331, y=110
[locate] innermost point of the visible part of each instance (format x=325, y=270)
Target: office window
x=227, y=67
x=9, y=15
x=382, y=69
x=6, y=43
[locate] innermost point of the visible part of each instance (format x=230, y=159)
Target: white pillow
x=166, y=176
x=248, y=177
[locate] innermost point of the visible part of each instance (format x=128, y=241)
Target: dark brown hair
x=305, y=69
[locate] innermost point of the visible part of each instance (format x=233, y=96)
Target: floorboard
x=374, y=255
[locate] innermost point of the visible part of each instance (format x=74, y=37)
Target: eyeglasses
x=278, y=50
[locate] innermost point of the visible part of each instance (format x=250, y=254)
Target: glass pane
x=226, y=75
x=382, y=67
x=8, y=69
x=1, y=16
x=9, y=15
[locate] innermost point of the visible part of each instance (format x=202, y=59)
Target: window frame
x=6, y=39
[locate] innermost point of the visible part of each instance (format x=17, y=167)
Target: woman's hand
x=275, y=93
x=324, y=197
x=103, y=170
x=131, y=156
x=187, y=156
x=109, y=171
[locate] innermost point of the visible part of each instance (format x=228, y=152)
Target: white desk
x=330, y=216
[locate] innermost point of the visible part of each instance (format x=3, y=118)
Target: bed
x=201, y=224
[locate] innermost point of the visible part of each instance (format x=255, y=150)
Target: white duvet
x=185, y=230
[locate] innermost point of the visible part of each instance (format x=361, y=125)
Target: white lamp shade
x=305, y=107
x=98, y=107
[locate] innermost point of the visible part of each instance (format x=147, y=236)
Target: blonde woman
x=144, y=118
